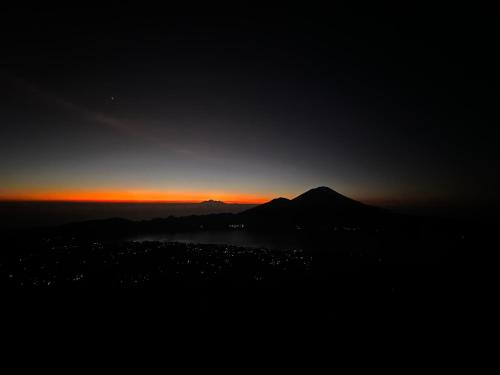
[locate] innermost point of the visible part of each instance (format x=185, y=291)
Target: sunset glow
x=132, y=196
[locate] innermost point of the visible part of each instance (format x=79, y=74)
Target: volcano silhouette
x=319, y=205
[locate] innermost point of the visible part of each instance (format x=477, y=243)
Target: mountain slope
x=324, y=197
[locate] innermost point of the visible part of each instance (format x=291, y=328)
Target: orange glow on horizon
x=132, y=196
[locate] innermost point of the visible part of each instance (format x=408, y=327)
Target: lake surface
x=228, y=237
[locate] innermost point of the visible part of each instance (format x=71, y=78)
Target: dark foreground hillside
x=343, y=272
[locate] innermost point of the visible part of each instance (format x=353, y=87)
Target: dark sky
x=245, y=103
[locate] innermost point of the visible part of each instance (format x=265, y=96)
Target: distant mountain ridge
x=213, y=202
x=318, y=208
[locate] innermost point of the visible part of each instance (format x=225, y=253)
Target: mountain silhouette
x=319, y=208
x=321, y=205
x=276, y=207
x=323, y=194
x=325, y=199
x=212, y=202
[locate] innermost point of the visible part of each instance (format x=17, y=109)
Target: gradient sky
x=119, y=103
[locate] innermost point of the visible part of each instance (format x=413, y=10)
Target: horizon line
x=39, y=200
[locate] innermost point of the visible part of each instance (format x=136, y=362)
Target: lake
x=241, y=238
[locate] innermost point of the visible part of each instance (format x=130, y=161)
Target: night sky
x=385, y=105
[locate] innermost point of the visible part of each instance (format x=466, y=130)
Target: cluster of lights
x=66, y=262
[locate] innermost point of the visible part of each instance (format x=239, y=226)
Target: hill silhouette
x=321, y=205
x=318, y=197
